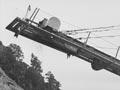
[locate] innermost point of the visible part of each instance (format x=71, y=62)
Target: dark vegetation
x=29, y=77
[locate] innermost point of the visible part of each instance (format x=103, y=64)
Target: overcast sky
x=73, y=73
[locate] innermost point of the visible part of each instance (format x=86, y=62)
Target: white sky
x=73, y=73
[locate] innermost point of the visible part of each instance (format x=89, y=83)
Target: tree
x=6, y=58
x=29, y=77
x=35, y=80
x=17, y=52
x=53, y=84
x=36, y=63
x=33, y=76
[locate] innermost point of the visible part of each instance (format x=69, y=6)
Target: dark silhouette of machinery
x=47, y=32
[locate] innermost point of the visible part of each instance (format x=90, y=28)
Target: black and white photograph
x=59, y=44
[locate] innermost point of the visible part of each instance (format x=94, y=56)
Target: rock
x=6, y=83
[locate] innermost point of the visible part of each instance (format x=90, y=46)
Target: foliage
x=29, y=77
x=53, y=84
x=36, y=63
x=16, y=51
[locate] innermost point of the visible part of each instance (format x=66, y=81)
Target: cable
x=77, y=32
x=111, y=36
x=69, y=32
x=110, y=42
x=107, y=41
x=99, y=37
x=85, y=30
x=102, y=28
x=103, y=47
x=99, y=29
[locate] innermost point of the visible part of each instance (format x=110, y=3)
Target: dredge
x=47, y=32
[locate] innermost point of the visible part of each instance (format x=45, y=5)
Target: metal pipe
x=33, y=13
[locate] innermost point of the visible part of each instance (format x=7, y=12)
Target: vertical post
x=87, y=38
x=117, y=52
